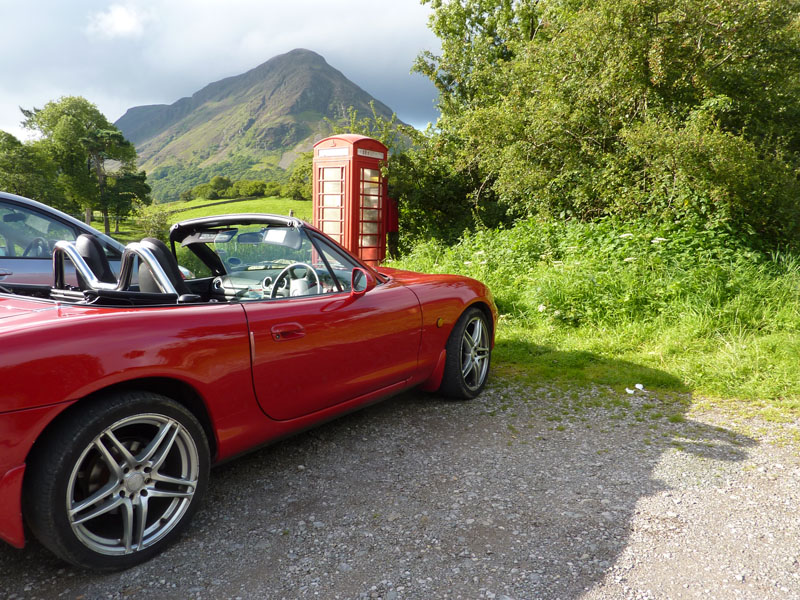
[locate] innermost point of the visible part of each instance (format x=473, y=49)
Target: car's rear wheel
x=468, y=356
x=117, y=480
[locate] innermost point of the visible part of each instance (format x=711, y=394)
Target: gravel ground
x=525, y=492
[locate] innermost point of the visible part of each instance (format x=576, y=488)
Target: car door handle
x=5, y=273
x=287, y=331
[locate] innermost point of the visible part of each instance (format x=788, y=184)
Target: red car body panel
x=359, y=345
x=259, y=371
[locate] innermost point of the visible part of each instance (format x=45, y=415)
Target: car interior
x=232, y=263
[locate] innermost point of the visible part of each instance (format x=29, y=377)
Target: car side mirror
x=361, y=281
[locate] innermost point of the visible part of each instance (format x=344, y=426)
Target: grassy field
x=178, y=211
x=203, y=208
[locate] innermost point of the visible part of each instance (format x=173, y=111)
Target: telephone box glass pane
x=370, y=175
x=331, y=227
x=370, y=214
x=332, y=200
x=332, y=173
x=369, y=227
x=331, y=214
x=370, y=188
x=369, y=240
x=371, y=201
x=332, y=187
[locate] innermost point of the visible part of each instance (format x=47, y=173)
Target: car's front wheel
x=117, y=480
x=468, y=356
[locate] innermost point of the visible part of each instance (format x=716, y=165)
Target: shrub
x=153, y=220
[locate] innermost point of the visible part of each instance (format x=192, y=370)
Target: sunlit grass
x=279, y=206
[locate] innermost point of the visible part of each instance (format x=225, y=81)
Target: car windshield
x=265, y=261
x=253, y=247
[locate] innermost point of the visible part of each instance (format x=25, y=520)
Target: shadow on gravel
x=526, y=492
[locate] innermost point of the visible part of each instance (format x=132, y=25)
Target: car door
x=315, y=351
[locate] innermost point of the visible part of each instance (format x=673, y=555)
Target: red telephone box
x=350, y=202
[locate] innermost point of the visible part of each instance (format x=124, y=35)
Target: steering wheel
x=288, y=271
x=37, y=248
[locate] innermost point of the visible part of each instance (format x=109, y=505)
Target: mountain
x=251, y=125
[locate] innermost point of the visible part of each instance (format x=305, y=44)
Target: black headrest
x=91, y=250
x=147, y=282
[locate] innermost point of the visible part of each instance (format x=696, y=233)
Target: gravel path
x=526, y=492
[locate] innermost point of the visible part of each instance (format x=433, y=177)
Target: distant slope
x=251, y=125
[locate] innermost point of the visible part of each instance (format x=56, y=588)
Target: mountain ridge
x=250, y=125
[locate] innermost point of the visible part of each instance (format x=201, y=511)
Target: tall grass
x=679, y=307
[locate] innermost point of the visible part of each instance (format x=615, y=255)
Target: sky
x=120, y=54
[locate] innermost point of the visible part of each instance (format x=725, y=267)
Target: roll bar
x=132, y=251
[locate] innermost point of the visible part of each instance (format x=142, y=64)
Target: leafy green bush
x=688, y=109
x=693, y=301
x=609, y=272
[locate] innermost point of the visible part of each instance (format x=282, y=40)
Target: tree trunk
x=87, y=215
x=106, y=222
x=392, y=239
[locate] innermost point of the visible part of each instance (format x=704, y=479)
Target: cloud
x=117, y=21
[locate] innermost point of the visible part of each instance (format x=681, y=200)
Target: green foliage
x=171, y=181
x=300, y=180
x=27, y=170
x=695, y=302
x=222, y=187
x=153, y=220
x=126, y=190
x=79, y=140
x=674, y=110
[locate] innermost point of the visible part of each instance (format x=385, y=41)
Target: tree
x=477, y=36
x=27, y=170
x=101, y=145
x=81, y=141
x=299, y=186
x=680, y=109
x=220, y=185
x=126, y=191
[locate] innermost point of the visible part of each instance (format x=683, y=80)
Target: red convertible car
x=117, y=396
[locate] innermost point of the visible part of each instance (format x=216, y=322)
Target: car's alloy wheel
x=475, y=353
x=468, y=356
x=132, y=484
x=117, y=480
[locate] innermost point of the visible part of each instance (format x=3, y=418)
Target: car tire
x=468, y=356
x=117, y=480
